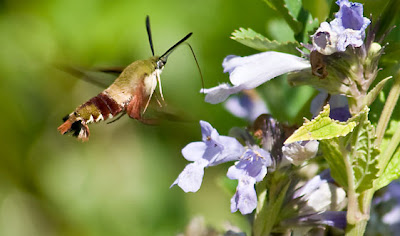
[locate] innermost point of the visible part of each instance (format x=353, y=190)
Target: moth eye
x=160, y=64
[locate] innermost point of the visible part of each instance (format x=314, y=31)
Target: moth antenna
x=197, y=64
x=149, y=34
x=164, y=56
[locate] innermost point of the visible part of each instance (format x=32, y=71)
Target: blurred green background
x=118, y=182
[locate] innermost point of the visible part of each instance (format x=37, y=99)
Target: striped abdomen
x=96, y=109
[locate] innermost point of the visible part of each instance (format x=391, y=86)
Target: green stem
x=359, y=207
x=353, y=211
x=387, y=111
x=358, y=229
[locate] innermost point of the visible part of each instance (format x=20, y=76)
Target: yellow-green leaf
x=321, y=127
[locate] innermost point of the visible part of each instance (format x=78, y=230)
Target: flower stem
x=387, y=111
x=353, y=211
x=358, y=229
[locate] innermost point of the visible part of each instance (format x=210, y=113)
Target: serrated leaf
x=358, y=148
x=257, y=41
x=363, y=152
x=321, y=127
x=392, y=170
x=290, y=10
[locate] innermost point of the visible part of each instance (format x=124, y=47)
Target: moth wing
x=99, y=76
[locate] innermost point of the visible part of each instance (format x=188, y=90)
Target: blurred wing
x=159, y=111
x=100, y=76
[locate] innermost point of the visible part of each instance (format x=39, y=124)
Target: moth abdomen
x=98, y=108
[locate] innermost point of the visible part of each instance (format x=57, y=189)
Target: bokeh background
x=118, y=182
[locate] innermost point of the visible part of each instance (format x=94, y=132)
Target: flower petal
x=231, y=152
x=252, y=71
x=338, y=104
x=206, y=130
x=325, y=39
x=332, y=218
x=194, y=151
x=245, y=198
x=234, y=172
x=253, y=164
x=349, y=24
x=299, y=152
x=189, y=180
x=314, y=183
x=220, y=93
x=351, y=15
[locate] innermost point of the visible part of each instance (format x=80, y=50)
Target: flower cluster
x=341, y=67
x=245, y=73
x=213, y=150
x=348, y=28
x=251, y=166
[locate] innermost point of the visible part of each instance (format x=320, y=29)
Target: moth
x=130, y=93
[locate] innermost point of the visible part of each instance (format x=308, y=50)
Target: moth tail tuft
x=78, y=128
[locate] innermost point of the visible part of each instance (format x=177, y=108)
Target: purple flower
x=331, y=218
x=318, y=202
x=252, y=71
x=348, y=28
x=213, y=150
x=247, y=104
x=350, y=24
x=250, y=169
x=338, y=104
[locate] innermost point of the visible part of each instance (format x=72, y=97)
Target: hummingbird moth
x=130, y=93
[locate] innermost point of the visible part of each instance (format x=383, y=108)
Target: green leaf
x=363, y=154
x=257, y=41
x=373, y=94
x=357, y=147
x=311, y=25
x=319, y=9
x=332, y=153
x=290, y=11
x=320, y=128
x=392, y=170
x=388, y=17
x=392, y=53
